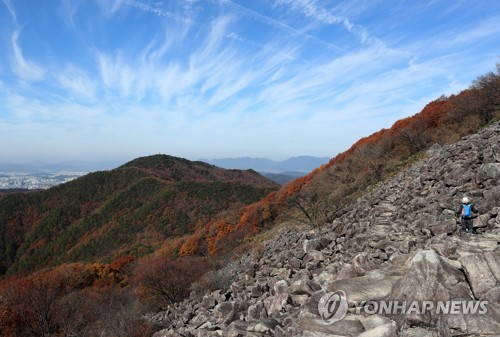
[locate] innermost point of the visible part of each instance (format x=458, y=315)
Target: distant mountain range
x=294, y=166
x=300, y=164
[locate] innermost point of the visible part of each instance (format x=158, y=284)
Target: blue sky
x=101, y=80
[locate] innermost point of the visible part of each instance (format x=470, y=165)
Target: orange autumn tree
x=217, y=231
x=39, y=304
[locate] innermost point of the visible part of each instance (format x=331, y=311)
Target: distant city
x=36, y=176
x=34, y=181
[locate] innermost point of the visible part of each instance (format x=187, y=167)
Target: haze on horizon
x=100, y=80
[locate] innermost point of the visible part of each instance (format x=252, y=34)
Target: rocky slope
x=397, y=243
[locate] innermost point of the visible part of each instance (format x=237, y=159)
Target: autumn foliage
x=164, y=280
x=70, y=300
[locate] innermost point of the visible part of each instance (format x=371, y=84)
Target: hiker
x=465, y=215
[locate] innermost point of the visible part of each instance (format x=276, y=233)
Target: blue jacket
x=459, y=211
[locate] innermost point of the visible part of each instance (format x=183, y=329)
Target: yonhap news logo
x=451, y=307
x=332, y=306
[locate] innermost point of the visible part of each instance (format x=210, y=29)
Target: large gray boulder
x=484, y=322
x=373, y=286
x=491, y=171
x=309, y=324
x=429, y=278
x=483, y=271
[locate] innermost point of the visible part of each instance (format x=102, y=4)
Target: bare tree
x=75, y=314
x=165, y=280
x=416, y=139
x=481, y=100
x=315, y=208
x=488, y=94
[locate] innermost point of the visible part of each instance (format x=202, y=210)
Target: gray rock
x=349, y=271
x=209, y=301
x=482, y=221
x=384, y=330
x=304, y=286
x=233, y=333
x=257, y=311
x=406, y=246
x=429, y=278
x=435, y=150
x=490, y=199
x=278, y=303
x=264, y=326
x=167, y=333
x=311, y=245
x=373, y=321
x=299, y=300
x=200, y=319
x=280, y=287
x=373, y=286
x=224, y=313
x=482, y=270
x=444, y=227
x=311, y=324
x=491, y=170
x=479, y=322
x=419, y=332
x=494, y=211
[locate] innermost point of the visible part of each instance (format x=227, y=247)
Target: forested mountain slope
x=131, y=210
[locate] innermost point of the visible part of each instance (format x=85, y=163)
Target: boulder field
x=395, y=263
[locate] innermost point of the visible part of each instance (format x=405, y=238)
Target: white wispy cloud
x=11, y=10
x=25, y=69
x=68, y=11
x=121, y=78
x=209, y=69
x=156, y=10
x=312, y=10
x=218, y=75
x=279, y=25
x=480, y=31
x=109, y=7
x=77, y=83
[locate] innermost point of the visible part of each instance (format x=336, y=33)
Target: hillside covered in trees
x=113, y=245
x=131, y=210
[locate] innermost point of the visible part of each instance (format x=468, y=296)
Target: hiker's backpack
x=467, y=211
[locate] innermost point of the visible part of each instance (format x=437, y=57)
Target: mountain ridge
x=96, y=216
